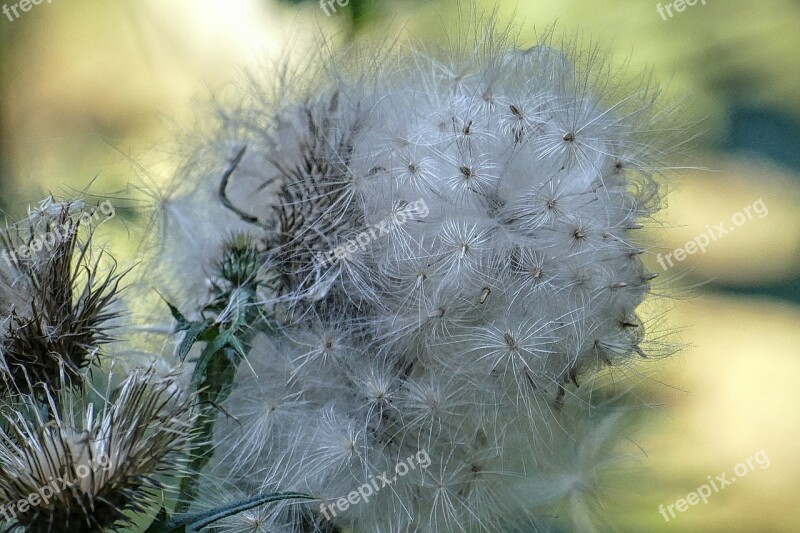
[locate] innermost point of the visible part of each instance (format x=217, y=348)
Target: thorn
x=648, y=277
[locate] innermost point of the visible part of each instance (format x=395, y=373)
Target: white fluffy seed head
x=464, y=328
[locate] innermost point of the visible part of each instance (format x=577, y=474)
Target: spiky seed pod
x=314, y=191
x=240, y=261
x=90, y=465
x=482, y=206
x=236, y=281
x=56, y=299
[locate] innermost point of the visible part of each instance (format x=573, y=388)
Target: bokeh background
x=94, y=95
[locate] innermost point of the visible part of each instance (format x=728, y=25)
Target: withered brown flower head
x=55, y=297
x=70, y=464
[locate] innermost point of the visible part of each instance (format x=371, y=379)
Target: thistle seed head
x=467, y=328
x=56, y=299
x=89, y=465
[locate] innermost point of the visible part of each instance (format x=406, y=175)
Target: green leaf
x=216, y=342
x=194, y=332
x=213, y=377
x=237, y=347
x=183, y=323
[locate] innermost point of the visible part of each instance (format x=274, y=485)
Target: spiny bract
x=446, y=252
x=72, y=463
x=56, y=301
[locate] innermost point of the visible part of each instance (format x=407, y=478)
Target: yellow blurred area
x=91, y=82
x=757, y=206
x=730, y=394
x=694, y=51
x=102, y=88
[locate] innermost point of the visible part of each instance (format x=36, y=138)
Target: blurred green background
x=93, y=94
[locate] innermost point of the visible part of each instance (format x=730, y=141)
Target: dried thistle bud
x=85, y=466
x=240, y=261
x=56, y=298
